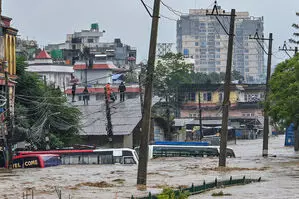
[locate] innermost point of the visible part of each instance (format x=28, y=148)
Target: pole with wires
x=266, y=116
x=108, y=117
x=146, y=118
x=227, y=83
x=286, y=49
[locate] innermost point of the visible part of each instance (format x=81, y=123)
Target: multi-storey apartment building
x=201, y=37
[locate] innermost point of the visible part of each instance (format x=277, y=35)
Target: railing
x=193, y=190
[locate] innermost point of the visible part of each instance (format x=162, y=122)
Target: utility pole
x=266, y=116
x=168, y=117
x=200, y=116
x=109, y=123
x=226, y=102
x=8, y=119
x=140, y=86
x=146, y=119
x=286, y=49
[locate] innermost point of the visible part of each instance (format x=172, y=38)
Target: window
x=191, y=96
x=196, y=43
x=89, y=40
x=207, y=96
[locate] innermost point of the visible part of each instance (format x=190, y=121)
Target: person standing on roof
x=122, y=89
x=85, y=95
x=108, y=91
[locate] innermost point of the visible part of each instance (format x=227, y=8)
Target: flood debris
x=102, y=184
x=220, y=193
x=118, y=180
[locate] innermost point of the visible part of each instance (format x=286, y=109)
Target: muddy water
x=281, y=175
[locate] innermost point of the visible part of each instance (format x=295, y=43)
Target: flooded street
x=280, y=175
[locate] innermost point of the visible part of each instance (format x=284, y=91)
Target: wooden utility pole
x=146, y=119
x=266, y=116
x=226, y=102
x=200, y=116
x=140, y=86
x=108, y=117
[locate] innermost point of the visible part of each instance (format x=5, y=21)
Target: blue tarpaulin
x=116, y=77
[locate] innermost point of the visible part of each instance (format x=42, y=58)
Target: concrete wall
x=99, y=76
x=128, y=141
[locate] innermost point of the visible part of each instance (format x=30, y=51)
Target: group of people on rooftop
x=109, y=94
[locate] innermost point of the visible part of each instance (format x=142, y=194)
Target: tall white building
x=202, y=38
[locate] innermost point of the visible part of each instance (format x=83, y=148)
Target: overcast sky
x=48, y=21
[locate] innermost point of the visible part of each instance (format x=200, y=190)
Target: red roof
x=96, y=66
x=43, y=55
x=101, y=90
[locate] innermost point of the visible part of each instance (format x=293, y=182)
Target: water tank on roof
x=95, y=26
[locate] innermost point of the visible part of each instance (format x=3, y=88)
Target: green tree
x=295, y=34
x=283, y=101
x=236, y=75
x=42, y=111
x=131, y=77
x=171, y=70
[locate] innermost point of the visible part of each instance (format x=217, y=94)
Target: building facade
x=245, y=100
x=8, y=67
x=202, y=38
x=120, y=54
x=56, y=75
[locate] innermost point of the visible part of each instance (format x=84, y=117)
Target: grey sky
x=48, y=21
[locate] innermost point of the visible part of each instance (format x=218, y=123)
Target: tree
x=283, y=101
x=171, y=70
x=236, y=75
x=295, y=34
x=42, y=111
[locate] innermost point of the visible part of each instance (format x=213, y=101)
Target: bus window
x=118, y=160
x=50, y=161
x=93, y=158
x=65, y=159
x=105, y=159
x=129, y=160
x=85, y=159
x=75, y=159
x=127, y=153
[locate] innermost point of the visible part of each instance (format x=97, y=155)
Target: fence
x=193, y=190
x=29, y=193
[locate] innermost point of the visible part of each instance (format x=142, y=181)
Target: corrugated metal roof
x=124, y=115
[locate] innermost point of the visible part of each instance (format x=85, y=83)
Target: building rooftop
x=43, y=55
x=50, y=68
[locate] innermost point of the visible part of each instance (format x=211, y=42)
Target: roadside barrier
x=193, y=190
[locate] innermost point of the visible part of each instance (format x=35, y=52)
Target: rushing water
x=280, y=175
